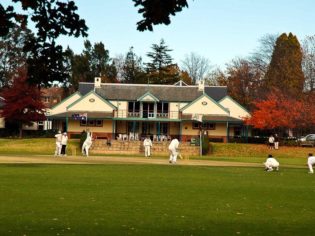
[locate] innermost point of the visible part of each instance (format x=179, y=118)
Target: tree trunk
x=21, y=131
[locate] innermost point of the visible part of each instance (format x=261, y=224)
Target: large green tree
x=12, y=55
x=132, y=70
x=285, y=69
x=93, y=62
x=156, y=12
x=51, y=18
x=159, y=69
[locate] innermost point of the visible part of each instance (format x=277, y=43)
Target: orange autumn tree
x=281, y=111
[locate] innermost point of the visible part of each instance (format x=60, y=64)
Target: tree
x=132, y=70
x=278, y=111
x=12, y=56
x=157, y=12
x=261, y=57
x=158, y=68
x=196, y=66
x=285, y=70
x=51, y=18
x=243, y=82
x=308, y=62
x=93, y=62
x=22, y=103
x=216, y=77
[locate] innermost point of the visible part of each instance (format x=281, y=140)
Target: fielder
x=173, y=150
x=58, y=137
x=147, y=143
x=271, y=163
x=87, y=144
x=311, y=162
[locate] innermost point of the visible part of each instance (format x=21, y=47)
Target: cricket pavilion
x=133, y=111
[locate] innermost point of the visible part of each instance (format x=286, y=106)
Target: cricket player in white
x=58, y=143
x=311, y=162
x=271, y=163
x=173, y=150
x=87, y=144
x=147, y=143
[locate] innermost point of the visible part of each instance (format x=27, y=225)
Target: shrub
x=205, y=145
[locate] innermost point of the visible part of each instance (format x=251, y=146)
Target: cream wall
x=174, y=128
x=188, y=130
x=87, y=105
x=235, y=110
x=2, y=123
x=174, y=110
x=74, y=126
x=220, y=130
x=122, y=107
x=211, y=108
x=62, y=107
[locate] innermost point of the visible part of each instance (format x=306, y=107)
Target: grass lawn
x=154, y=200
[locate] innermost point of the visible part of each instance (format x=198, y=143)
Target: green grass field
x=154, y=200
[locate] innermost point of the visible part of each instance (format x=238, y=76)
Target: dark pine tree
x=159, y=68
x=132, y=71
x=285, y=69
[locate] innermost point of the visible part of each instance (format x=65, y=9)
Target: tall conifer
x=285, y=69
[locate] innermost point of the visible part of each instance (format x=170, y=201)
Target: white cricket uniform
x=310, y=163
x=147, y=143
x=64, y=141
x=173, y=150
x=58, y=144
x=271, y=163
x=87, y=144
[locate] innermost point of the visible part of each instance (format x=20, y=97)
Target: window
x=92, y=123
x=164, y=128
x=211, y=126
x=195, y=125
x=204, y=125
x=99, y=123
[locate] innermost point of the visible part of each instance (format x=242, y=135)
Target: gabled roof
x=67, y=101
x=211, y=99
x=147, y=96
x=236, y=103
x=172, y=93
x=86, y=95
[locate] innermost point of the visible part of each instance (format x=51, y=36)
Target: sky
x=219, y=30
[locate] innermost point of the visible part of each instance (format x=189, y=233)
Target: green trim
x=216, y=121
x=227, y=132
x=147, y=94
x=98, y=96
x=239, y=105
x=207, y=96
x=64, y=100
x=147, y=119
x=67, y=123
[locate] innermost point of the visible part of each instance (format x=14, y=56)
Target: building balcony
x=146, y=114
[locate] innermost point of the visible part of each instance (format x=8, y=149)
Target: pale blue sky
x=219, y=30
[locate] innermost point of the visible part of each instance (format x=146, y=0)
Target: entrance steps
x=100, y=146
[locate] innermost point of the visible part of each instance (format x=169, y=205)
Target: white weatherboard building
x=133, y=111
